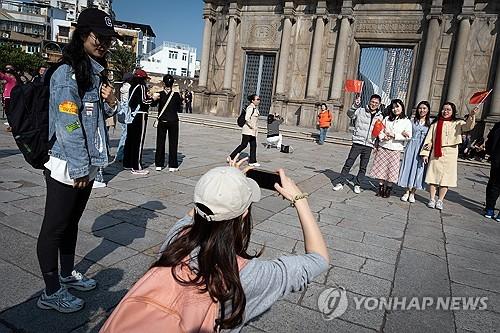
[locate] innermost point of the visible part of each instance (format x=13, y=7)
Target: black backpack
x=241, y=118
x=28, y=117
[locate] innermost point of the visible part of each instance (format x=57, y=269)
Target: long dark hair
x=74, y=54
x=416, y=119
x=453, y=113
x=219, y=242
x=393, y=116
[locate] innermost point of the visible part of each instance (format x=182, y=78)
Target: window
x=184, y=56
x=171, y=71
x=172, y=54
x=63, y=31
x=191, y=59
x=184, y=72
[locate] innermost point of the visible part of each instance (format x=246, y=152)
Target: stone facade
x=317, y=46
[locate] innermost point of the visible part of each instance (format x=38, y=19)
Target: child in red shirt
x=324, y=122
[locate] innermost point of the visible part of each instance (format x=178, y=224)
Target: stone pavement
x=379, y=247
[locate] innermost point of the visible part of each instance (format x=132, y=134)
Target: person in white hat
x=212, y=241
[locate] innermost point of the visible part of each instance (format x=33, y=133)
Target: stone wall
x=259, y=28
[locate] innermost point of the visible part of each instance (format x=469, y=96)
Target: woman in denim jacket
x=80, y=100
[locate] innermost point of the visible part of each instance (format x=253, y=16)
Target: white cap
x=227, y=192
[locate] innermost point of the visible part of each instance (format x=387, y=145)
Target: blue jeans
x=121, y=144
x=322, y=134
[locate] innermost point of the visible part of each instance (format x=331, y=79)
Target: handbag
x=286, y=149
x=155, y=123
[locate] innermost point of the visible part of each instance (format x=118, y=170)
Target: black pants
x=136, y=133
x=493, y=187
x=245, y=139
x=172, y=127
x=64, y=206
x=189, y=108
x=356, y=150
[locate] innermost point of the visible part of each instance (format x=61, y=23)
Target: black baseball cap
x=98, y=21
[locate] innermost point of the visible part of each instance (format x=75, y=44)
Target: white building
x=74, y=7
x=171, y=58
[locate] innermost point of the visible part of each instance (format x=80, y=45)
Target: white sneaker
x=357, y=189
x=411, y=198
x=98, y=184
x=338, y=187
x=139, y=172
x=254, y=164
x=6, y=123
x=439, y=204
x=405, y=197
x=431, y=203
x=173, y=169
x=158, y=168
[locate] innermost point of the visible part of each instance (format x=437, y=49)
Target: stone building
x=297, y=53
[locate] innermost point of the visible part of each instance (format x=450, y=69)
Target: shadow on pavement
x=27, y=317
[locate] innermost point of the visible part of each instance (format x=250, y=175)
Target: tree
x=22, y=61
x=122, y=60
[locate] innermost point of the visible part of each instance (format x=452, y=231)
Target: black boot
x=387, y=192
x=381, y=190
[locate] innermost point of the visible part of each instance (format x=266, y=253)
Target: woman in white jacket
x=397, y=130
x=249, y=131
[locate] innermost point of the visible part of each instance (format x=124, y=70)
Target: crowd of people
x=204, y=272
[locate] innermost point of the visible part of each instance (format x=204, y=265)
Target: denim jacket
x=78, y=123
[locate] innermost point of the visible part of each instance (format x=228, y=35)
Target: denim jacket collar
x=97, y=68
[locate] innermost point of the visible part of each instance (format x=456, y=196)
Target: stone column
x=340, y=58
x=228, y=66
x=284, y=53
x=312, y=82
x=495, y=98
x=205, y=55
x=431, y=45
x=457, y=70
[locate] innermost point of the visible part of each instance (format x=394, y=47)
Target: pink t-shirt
x=10, y=82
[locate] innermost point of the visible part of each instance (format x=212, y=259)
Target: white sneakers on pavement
x=338, y=187
x=357, y=189
x=98, y=184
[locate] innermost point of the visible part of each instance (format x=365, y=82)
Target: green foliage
x=22, y=61
x=122, y=60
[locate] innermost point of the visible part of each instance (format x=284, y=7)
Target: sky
x=171, y=20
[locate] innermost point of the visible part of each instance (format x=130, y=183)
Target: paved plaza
x=379, y=247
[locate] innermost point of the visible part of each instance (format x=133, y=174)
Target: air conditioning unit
x=45, y=55
x=5, y=35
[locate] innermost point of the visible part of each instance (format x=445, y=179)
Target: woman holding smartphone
x=206, y=261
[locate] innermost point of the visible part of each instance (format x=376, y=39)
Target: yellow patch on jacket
x=68, y=107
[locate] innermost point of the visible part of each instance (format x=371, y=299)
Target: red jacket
x=325, y=119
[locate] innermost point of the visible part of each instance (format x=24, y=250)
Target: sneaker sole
x=79, y=288
x=48, y=306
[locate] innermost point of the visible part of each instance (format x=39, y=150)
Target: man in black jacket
x=493, y=187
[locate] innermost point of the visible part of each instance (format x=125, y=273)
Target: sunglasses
x=103, y=41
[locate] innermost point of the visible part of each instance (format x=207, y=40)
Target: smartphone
x=265, y=179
